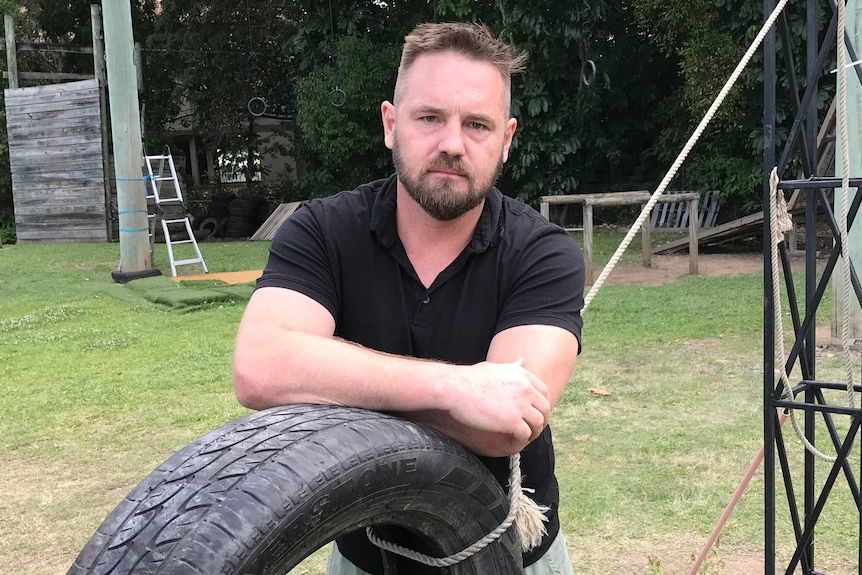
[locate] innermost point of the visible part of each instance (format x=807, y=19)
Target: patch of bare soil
x=668, y=268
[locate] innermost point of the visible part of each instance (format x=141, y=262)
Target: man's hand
x=500, y=398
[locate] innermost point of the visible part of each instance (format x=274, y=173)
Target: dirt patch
x=669, y=268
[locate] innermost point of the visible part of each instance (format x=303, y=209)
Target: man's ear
x=511, y=125
x=387, y=113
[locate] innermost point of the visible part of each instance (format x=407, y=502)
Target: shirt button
x=426, y=300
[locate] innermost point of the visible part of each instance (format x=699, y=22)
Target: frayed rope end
x=530, y=522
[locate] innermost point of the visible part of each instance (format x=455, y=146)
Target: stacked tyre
x=244, y=216
x=216, y=217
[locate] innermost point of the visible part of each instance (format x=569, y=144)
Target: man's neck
x=431, y=244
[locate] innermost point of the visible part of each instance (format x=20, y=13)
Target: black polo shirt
x=344, y=252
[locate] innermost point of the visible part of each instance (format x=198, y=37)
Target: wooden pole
x=11, y=58
x=101, y=78
x=693, y=247
x=126, y=131
x=11, y=52
x=646, y=243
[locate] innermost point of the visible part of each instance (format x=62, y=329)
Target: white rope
x=776, y=200
x=779, y=223
x=684, y=153
x=519, y=504
x=844, y=144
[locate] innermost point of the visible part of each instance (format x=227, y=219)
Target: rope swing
x=684, y=153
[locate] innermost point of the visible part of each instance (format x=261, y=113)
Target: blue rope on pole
x=144, y=179
x=132, y=212
x=134, y=231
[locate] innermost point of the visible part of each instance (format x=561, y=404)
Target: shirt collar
x=488, y=230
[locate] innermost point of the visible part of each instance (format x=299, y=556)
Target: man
x=428, y=294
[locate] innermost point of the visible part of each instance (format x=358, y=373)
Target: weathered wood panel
x=55, y=152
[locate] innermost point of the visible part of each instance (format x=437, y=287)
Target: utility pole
x=135, y=258
x=854, y=238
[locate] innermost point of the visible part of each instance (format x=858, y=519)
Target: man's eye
x=429, y=119
x=477, y=126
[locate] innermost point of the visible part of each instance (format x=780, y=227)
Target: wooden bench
x=674, y=217
x=640, y=197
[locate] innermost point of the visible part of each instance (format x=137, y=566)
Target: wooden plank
x=22, y=112
x=26, y=186
x=53, y=208
x=28, y=163
x=711, y=212
x=51, y=112
x=274, y=221
x=51, y=76
x=59, y=107
x=84, y=217
x=63, y=154
x=634, y=200
x=61, y=236
x=19, y=98
x=77, y=126
x=68, y=146
x=582, y=198
x=34, y=91
x=53, y=100
x=72, y=198
x=74, y=119
x=45, y=47
x=709, y=236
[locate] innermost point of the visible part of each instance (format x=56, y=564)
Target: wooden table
x=641, y=197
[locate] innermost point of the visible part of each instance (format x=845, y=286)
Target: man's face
x=449, y=132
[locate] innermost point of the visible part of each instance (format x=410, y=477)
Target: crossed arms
x=286, y=353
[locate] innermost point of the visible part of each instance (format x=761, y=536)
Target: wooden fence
x=55, y=152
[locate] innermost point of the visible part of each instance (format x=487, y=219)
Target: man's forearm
x=308, y=368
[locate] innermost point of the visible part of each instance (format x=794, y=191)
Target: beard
x=441, y=200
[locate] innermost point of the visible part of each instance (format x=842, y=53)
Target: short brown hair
x=471, y=40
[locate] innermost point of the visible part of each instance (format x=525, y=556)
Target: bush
x=7, y=234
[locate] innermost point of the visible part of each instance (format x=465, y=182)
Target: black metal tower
x=809, y=393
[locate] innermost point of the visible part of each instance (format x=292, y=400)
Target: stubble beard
x=441, y=200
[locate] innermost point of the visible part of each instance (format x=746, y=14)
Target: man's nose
x=452, y=140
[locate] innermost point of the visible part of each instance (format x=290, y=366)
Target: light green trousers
x=555, y=562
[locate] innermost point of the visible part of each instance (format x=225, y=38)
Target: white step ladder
x=167, y=197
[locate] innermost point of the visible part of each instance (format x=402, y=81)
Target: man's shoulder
x=363, y=194
x=521, y=218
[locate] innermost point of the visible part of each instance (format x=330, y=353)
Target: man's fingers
x=536, y=420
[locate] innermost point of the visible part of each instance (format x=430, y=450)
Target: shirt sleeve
x=547, y=286
x=299, y=258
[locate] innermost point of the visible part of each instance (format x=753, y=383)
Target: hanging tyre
x=260, y=494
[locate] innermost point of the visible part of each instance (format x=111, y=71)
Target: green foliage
x=658, y=66
x=338, y=117
x=7, y=234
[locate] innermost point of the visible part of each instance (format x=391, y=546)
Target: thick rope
x=519, y=504
x=780, y=222
x=844, y=144
x=778, y=209
x=684, y=153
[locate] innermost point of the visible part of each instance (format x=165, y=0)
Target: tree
x=612, y=92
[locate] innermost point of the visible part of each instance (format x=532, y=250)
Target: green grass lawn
x=98, y=386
